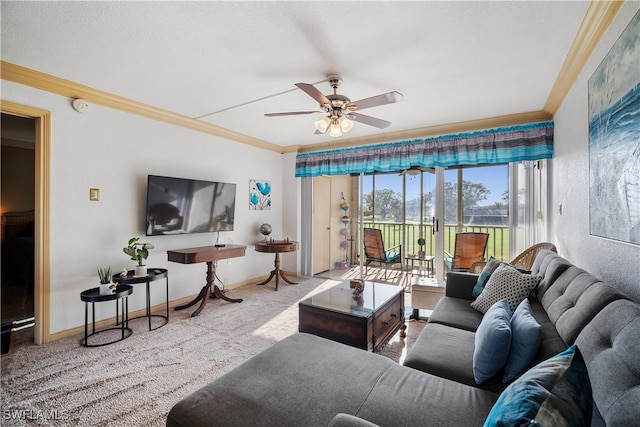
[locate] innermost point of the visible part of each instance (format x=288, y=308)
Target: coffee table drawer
x=387, y=320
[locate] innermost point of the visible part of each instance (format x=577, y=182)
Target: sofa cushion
x=550, y=266
x=346, y=420
x=297, y=367
x=574, y=299
x=492, y=342
x=456, y=312
x=609, y=345
x=448, y=353
x=505, y=282
x=405, y=397
x=525, y=341
x=554, y=392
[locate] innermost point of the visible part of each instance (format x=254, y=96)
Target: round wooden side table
x=276, y=246
x=92, y=296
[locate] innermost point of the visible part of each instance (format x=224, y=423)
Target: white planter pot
x=140, y=271
x=107, y=289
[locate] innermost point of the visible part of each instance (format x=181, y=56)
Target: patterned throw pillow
x=506, y=282
x=486, y=273
x=556, y=392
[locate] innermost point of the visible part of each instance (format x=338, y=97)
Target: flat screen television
x=181, y=206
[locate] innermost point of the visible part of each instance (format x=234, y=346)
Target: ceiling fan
x=339, y=110
x=416, y=170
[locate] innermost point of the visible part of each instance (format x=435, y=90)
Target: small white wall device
x=80, y=105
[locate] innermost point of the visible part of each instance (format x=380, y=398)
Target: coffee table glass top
x=340, y=298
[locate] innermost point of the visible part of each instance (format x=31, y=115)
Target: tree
x=388, y=204
x=472, y=194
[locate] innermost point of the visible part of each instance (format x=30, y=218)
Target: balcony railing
x=408, y=234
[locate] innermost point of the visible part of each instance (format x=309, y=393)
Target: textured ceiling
x=228, y=63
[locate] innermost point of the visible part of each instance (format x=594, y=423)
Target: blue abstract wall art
x=614, y=140
x=259, y=195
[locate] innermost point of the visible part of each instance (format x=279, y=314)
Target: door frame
x=42, y=259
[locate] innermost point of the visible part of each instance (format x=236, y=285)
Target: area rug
x=135, y=382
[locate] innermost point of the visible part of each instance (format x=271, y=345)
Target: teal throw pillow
x=488, y=269
x=556, y=392
x=525, y=341
x=492, y=342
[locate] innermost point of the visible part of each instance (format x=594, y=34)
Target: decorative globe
x=265, y=229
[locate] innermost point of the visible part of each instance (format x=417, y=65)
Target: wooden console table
x=276, y=246
x=208, y=254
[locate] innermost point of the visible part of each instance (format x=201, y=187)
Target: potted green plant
x=106, y=287
x=138, y=252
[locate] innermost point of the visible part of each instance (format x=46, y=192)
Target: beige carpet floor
x=135, y=382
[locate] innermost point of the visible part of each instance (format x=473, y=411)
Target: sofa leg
x=416, y=314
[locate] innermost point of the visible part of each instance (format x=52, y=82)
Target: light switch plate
x=94, y=194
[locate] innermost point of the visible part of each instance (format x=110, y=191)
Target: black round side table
x=93, y=296
x=153, y=274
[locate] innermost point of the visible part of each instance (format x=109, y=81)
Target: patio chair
x=524, y=260
x=375, y=251
x=469, y=248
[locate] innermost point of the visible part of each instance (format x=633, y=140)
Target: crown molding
x=596, y=21
x=445, y=129
x=47, y=82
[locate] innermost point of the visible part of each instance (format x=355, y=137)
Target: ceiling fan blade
x=368, y=120
x=314, y=93
x=317, y=132
x=292, y=113
x=374, y=101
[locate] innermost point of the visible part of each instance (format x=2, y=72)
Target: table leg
x=206, y=291
x=148, y=305
x=86, y=321
x=277, y=273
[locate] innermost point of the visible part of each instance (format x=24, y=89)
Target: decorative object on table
x=421, y=243
x=614, y=140
x=259, y=195
x=343, y=264
x=124, y=272
x=138, y=252
x=265, y=230
x=106, y=287
x=357, y=286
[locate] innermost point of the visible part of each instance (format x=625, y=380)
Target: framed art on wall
x=259, y=195
x=614, y=140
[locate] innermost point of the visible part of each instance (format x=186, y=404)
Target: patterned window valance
x=490, y=146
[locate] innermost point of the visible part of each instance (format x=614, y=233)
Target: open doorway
x=17, y=232
x=42, y=287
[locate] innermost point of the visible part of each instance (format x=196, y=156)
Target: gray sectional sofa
x=305, y=380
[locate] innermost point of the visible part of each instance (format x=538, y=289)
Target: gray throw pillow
x=506, y=282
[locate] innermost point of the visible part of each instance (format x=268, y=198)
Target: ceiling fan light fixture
x=336, y=130
x=323, y=124
x=345, y=124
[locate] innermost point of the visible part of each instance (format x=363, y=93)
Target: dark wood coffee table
x=365, y=322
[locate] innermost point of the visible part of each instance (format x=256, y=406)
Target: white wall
x=610, y=260
x=115, y=151
x=291, y=226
